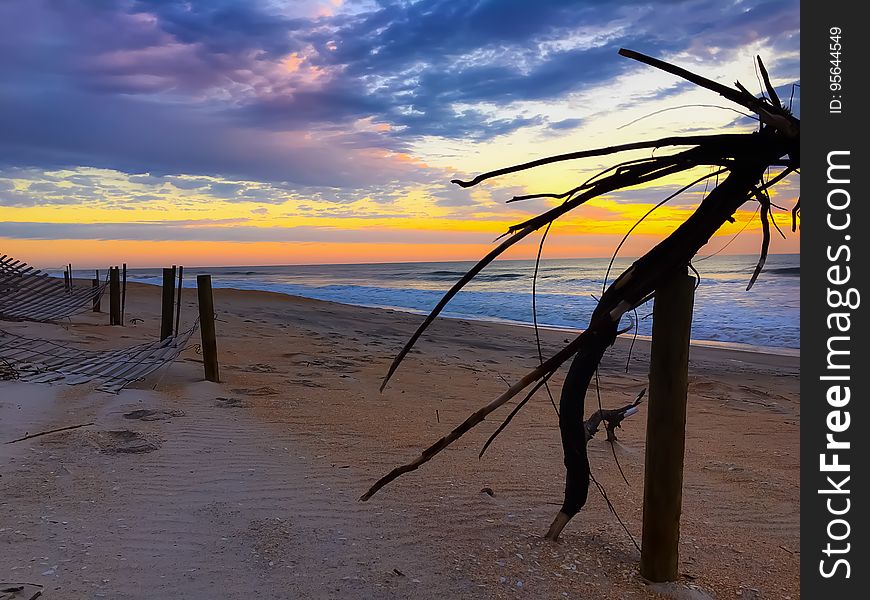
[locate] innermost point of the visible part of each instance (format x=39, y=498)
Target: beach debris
x=7, y=371
x=20, y=591
x=739, y=163
x=144, y=414
x=47, y=361
x=28, y=294
x=50, y=431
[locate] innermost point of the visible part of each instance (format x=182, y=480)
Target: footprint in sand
x=230, y=402
x=260, y=391
x=123, y=441
x=259, y=368
x=307, y=382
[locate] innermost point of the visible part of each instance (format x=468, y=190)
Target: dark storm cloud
x=223, y=26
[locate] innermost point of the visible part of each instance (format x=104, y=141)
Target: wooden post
x=178, y=305
x=206, y=327
x=666, y=428
x=114, y=296
x=66, y=285
x=95, y=282
x=168, y=306
x=123, y=293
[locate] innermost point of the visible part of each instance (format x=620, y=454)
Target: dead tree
x=742, y=159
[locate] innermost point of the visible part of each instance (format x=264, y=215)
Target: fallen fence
x=47, y=361
x=28, y=294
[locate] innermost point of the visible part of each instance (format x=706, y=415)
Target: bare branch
x=775, y=116
x=689, y=140
x=771, y=91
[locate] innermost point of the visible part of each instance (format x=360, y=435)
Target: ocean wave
x=769, y=315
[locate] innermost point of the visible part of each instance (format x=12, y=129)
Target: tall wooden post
x=168, y=307
x=666, y=428
x=206, y=327
x=178, y=300
x=123, y=293
x=95, y=283
x=66, y=283
x=114, y=296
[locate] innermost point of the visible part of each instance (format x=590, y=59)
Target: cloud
x=565, y=124
x=223, y=26
x=231, y=230
x=277, y=92
x=135, y=135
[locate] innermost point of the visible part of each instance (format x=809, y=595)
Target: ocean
x=767, y=316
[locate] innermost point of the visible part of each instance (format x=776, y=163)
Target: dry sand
x=248, y=488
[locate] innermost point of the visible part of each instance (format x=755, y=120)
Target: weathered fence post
x=123, y=293
x=178, y=301
x=666, y=428
x=66, y=280
x=95, y=283
x=206, y=327
x=114, y=296
x=168, y=307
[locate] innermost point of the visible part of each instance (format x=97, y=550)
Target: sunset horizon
x=311, y=132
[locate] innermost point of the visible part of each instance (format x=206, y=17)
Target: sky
x=246, y=132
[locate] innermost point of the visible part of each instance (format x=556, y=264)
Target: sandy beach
x=248, y=488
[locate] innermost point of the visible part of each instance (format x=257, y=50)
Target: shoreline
x=701, y=343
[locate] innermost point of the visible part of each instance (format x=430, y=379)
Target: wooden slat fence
x=47, y=361
x=27, y=294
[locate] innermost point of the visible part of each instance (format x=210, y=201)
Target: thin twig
x=612, y=447
x=520, y=231
x=765, y=241
x=535, y=315
x=514, y=412
x=612, y=508
x=41, y=433
x=633, y=339
x=658, y=112
x=774, y=116
x=648, y=213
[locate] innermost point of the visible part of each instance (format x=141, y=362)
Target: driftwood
x=745, y=157
x=20, y=591
x=50, y=431
x=611, y=418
